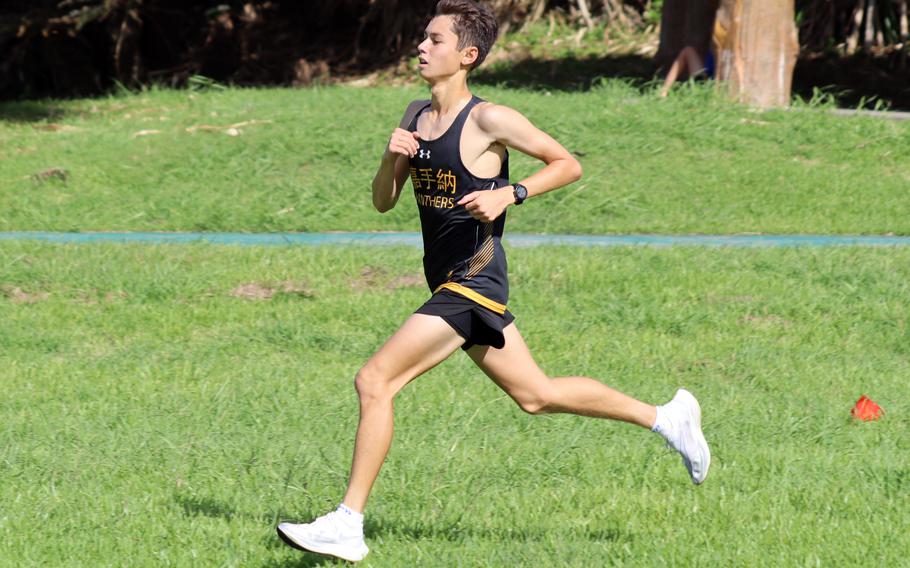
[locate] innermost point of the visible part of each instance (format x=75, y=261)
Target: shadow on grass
x=861, y=79
x=194, y=506
x=443, y=532
x=520, y=532
x=200, y=506
x=300, y=559
x=29, y=111
x=568, y=73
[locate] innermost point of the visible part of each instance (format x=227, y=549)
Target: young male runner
x=453, y=148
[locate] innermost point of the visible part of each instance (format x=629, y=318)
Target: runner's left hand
x=486, y=206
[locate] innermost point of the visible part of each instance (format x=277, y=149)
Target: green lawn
x=302, y=160
x=167, y=405
x=154, y=415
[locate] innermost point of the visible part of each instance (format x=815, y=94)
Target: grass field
x=156, y=413
x=167, y=405
x=302, y=160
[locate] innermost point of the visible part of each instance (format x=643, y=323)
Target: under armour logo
x=423, y=154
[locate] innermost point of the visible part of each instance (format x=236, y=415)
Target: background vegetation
x=856, y=49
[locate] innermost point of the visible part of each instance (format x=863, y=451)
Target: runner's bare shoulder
x=412, y=110
x=490, y=115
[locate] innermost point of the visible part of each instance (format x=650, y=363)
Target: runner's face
x=438, y=54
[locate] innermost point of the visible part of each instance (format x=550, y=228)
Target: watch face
x=521, y=192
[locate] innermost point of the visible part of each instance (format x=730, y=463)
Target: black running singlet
x=461, y=254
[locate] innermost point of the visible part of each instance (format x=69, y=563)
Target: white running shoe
x=685, y=434
x=330, y=534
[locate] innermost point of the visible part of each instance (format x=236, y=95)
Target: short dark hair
x=473, y=23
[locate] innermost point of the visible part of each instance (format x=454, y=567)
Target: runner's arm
x=393, y=168
x=512, y=129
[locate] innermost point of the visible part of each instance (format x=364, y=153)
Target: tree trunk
x=758, y=51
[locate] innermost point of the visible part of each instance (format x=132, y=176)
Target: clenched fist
x=403, y=142
x=485, y=206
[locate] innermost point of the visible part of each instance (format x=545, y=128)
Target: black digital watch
x=520, y=192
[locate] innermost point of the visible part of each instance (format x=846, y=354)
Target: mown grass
x=692, y=163
x=153, y=416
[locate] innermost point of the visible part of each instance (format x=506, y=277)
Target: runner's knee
x=534, y=402
x=371, y=384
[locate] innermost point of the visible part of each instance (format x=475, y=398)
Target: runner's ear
x=469, y=55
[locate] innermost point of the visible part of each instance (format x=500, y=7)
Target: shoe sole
x=327, y=551
x=695, y=416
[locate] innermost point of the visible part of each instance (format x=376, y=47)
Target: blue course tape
x=414, y=239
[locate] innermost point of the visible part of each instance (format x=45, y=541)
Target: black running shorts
x=475, y=323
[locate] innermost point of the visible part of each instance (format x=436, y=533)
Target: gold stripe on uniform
x=479, y=263
x=484, y=254
x=474, y=296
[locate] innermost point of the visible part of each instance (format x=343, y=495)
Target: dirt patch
x=49, y=174
x=369, y=278
x=92, y=296
x=19, y=296
x=87, y=297
x=407, y=281
x=372, y=277
x=258, y=291
x=115, y=296
x=230, y=130
x=142, y=133
x=55, y=127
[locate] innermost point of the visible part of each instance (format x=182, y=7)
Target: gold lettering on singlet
x=429, y=184
x=445, y=181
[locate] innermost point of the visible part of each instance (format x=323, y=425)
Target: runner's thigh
x=513, y=367
x=420, y=344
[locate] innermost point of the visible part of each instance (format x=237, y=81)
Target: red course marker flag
x=865, y=409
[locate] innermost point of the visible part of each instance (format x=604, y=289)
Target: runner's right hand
x=403, y=142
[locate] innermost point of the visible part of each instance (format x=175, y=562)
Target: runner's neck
x=449, y=96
